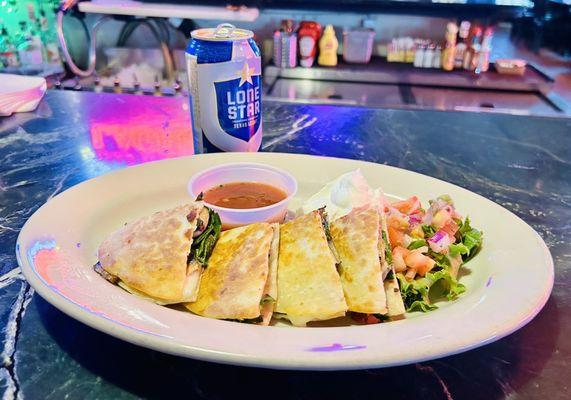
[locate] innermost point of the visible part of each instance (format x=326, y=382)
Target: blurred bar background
x=390, y=53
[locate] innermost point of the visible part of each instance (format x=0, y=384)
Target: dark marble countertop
x=522, y=163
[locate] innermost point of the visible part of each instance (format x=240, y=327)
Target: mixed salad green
x=428, y=247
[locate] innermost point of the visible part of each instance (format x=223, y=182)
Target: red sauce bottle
x=308, y=35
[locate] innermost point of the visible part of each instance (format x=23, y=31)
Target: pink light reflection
x=77, y=283
x=136, y=131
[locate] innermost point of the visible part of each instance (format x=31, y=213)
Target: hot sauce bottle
x=462, y=45
x=471, y=54
x=308, y=35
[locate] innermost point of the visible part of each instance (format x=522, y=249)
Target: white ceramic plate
x=507, y=283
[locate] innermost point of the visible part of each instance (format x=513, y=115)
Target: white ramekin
x=245, y=172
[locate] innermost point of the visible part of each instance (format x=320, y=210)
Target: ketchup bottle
x=308, y=35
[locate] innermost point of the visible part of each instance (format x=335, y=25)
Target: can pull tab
x=224, y=30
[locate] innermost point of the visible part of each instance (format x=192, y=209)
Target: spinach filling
x=327, y=230
x=266, y=299
x=256, y=320
x=203, y=245
x=388, y=252
x=382, y=317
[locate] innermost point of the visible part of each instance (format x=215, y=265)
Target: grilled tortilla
x=309, y=287
x=240, y=275
x=150, y=256
x=356, y=238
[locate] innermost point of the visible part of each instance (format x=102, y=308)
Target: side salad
x=428, y=247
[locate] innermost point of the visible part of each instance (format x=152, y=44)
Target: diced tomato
x=399, y=254
x=419, y=262
x=371, y=319
x=407, y=206
x=397, y=220
x=427, y=267
x=396, y=237
x=397, y=226
x=364, y=318
x=450, y=228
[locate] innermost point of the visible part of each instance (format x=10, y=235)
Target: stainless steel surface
x=337, y=92
x=482, y=100
x=413, y=97
x=379, y=71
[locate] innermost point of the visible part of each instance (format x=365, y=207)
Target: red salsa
x=244, y=195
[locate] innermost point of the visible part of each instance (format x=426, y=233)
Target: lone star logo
x=246, y=75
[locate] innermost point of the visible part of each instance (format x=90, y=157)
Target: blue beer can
x=225, y=85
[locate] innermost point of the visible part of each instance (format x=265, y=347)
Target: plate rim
x=108, y=326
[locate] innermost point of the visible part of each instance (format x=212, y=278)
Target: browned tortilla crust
x=309, y=287
x=356, y=238
x=150, y=254
x=233, y=283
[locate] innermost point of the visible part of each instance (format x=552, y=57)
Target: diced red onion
x=414, y=220
x=440, y=242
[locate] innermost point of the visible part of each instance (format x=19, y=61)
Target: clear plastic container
x=358, y=45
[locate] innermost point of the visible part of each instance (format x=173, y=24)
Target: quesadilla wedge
x=309, y=287
x=240, y=280
x=356, y=238
x=162, y=256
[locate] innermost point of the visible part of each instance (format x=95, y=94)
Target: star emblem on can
x=246, y=75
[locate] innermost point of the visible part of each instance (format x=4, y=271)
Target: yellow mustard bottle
x=328, y=45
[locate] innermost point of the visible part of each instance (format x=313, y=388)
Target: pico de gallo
x=428, y=247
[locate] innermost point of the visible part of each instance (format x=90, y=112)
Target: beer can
x=225, y=85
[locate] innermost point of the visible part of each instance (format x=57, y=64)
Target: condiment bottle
x=487, y=39
x=308, y=34
x=285, y=45
x=400, y=50
x=428, y=56
x=409, y=51
x=419, y=55
x=328, y=46
x=473, y=49
x=449, y=47
x=392, y=51
x=462, y=44
x=437, y=59
x=483, y=59
x=287, y=25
